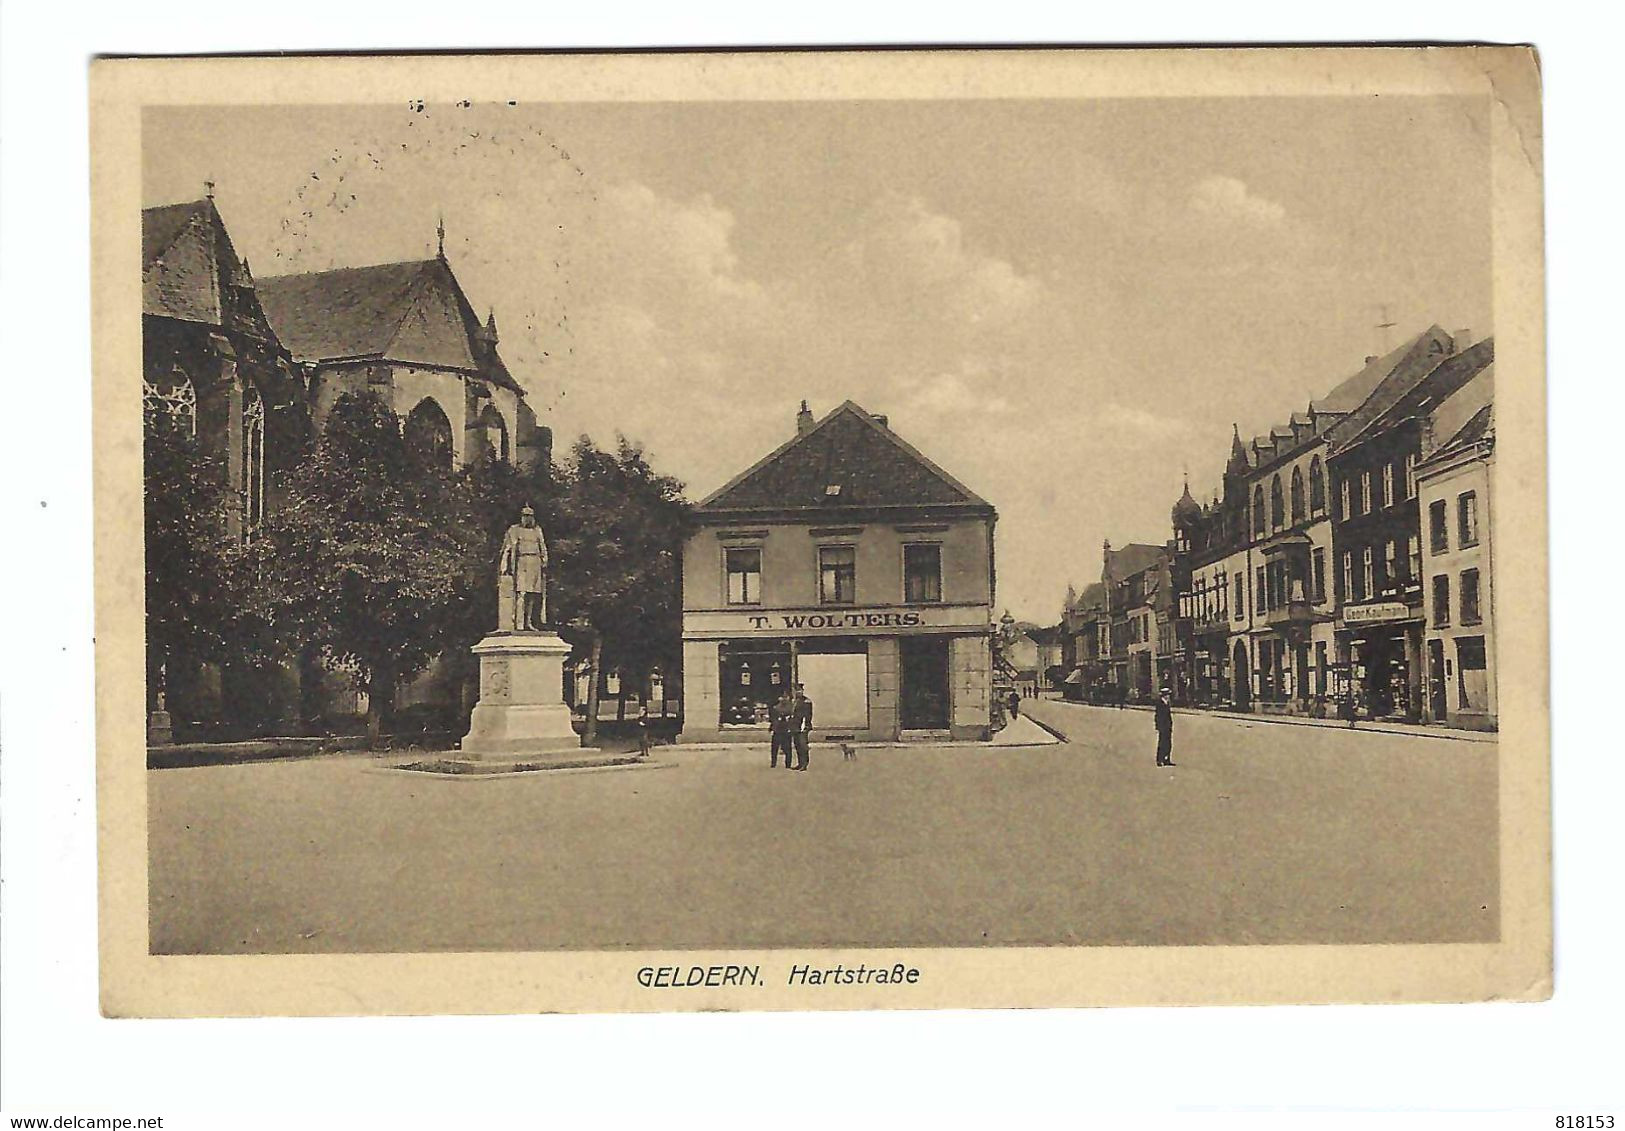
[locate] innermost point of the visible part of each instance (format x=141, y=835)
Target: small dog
x=847, y=753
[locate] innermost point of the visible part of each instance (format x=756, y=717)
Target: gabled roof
x=1479, y=428
x=413, y=311
x=1419, y=383
x=1092, y=597
x=187, y=259
x=848, y=449
x=1351, y=393
x=1135, y=557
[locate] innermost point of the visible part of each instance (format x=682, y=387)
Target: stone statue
x=523, y=606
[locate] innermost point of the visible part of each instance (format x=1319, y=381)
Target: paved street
x=1262, y=833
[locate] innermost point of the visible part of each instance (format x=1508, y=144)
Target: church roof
x=412, y=312
x=847, y=459
x=187, y=258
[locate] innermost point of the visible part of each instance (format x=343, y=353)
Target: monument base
x=521, y=714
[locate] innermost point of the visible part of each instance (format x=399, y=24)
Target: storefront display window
x=753, y=674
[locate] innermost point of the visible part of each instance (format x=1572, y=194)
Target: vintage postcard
x=872, y=530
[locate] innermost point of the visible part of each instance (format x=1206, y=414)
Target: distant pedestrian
x=643, y=730
x=801, y=723
x=780, y=717
x=1014, y=703
x=1165, y=729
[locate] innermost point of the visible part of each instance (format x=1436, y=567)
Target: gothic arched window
x=253, y=458
x=1317, y=487
x=1297, y=496
x=1277, y=505
x=428, y=435
x=177, y=402
x=1258, y=512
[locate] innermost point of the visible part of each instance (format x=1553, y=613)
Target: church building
x=407, y=332
x=846, y=561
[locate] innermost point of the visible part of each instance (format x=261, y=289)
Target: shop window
x=1467, y=518
x=752, y=675
x=1472, y=678
x=837, y=574
x=922, y=573
x=1319, y=568
x=744, y=567
x=1438, y=528
x=1317, y=487
x=1469, y=597
x=1441, y=600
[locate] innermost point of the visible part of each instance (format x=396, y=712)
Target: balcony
x=1293, y=613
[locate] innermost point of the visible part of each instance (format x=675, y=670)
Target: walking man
x=643, y=729
x=1165, y=729
x=801, y=722
x=779, y=717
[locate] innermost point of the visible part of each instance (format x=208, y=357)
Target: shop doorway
x=1241, y=679
x=1437, y=706
x=923, y=694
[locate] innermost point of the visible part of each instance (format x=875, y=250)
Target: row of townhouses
x=251, y=367
x=1343, y=569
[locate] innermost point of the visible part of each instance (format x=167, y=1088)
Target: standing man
x=524, y=558
x=780, y=717
x=1165, y=729
x=801, y=721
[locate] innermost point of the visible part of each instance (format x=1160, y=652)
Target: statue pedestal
x=521, y=711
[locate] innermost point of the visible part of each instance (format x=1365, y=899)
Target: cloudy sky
x=1065, y=303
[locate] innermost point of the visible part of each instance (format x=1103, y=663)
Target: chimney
x=804, y=420
x=881, y=420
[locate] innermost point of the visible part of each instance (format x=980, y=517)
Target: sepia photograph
x=810, y=521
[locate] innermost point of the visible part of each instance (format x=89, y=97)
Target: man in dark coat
x=779, y=717
x=801, y=721
x=1165, y=729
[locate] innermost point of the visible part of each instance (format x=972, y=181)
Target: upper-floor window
x=1258, y=512
x=1387, y=484
x=1348, y=575
x=1410, y=475
x=837, y=574
x=1261, y=596
x=743, y=565
x=1297, y=496
x=1241, y=596
x=1277, y=505
x=1365, y=491
x=1318, y=577
x=1346, y=510
x=1390, y=567
x=1467, y=518
x=1317, y=487
x=1414, y=577
x=922, y=572
x=1438, y=528
x=1441, y=599
x=1469, y=597
x=1368, y=587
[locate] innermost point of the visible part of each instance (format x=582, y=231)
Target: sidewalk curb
x=1483, y=737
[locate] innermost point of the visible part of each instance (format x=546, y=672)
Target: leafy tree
x=188, y=552
x=615, y=532
x=372, y=560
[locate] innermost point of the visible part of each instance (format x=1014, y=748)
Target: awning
x=1076, y=676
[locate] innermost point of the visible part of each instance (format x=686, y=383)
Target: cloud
x=1140, y=422
x=1222, y=197
x=950, y=394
